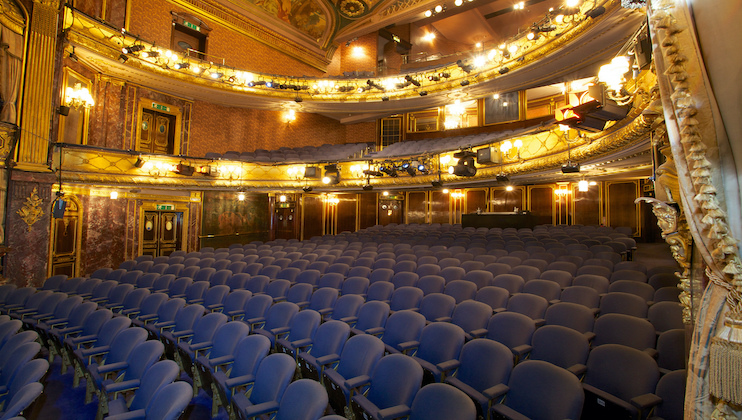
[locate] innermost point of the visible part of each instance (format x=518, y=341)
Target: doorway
x=161, y=232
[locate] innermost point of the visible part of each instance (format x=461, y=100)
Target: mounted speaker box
x=487, y=155
x=58, y=209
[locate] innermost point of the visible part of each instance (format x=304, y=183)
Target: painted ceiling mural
x=305, y=15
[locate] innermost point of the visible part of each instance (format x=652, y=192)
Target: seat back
x=257, y=306
x=157, y=376
x=495, y=297
x=360, y=355
x=621, y=371
x=280, y=315
x=123, y=343
x=257, y=283
x=248, y=354
x=372, y=314
x=581, y=295
x=571, y=315
x=395, y=381
x=471, y=315
x=273, y=376
x=440, y=342
x=187, y=317
x=442, y=402
x=484, y=364
x=347, y=307
x=511, y=329
x=304, y=399
x=403, y=326
x=623, y=303
x=623, y=329
x=560, y=346
x=329, y=338
x=169, y=402
x=406, y=297
x=541, y=390
x=671, y=388
x=461, y=290
x=437, y=305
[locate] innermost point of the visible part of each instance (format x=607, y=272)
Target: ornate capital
x=54, y=4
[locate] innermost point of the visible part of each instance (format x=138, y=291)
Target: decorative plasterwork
x=12, y=17
x=8, y=132
x=31, y=211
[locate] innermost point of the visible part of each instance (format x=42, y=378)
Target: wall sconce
x=507, y=148
x=229, y=171
x=78, y=97
x=289, y=116
x=296, y=172
x=114, y=195
x=612, y=74
x=582, y=186
x=155, y=168
x=241, y=196
x=562, y=191
x=457, y=195
x=331, y=199
x=282, y=198
x=509, y=188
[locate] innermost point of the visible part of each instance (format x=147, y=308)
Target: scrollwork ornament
x=31, y=212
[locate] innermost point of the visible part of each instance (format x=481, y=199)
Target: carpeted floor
x=61, y=401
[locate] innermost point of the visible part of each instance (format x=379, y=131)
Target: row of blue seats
x=21, y=373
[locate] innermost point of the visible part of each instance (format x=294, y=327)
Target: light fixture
x=519, y=6
x=507, y=147
x=385, y=193
x=428, y=13
x=612, y=74
x=458, y=2
x=139, y=163
x=438, y=8
x=184, y=169
x=282, y=198
x=572, y=3
x=289, y=116
x=332, y=175
x=241, y=196
x=445, y=191
x=182, y=65
x=132, y=49
x=509, y=188
x=465, y=166
x=114, y=195
x=78, y=97
x=430, y=36
x=307, y=188
x=150, y=54
x=123, y=58
x=72, y=56
x=582, y=186
x=358, y=51
x=436, y=184
x=592, y=183
x=479, y=61
x=389, y=169
x=570, y=167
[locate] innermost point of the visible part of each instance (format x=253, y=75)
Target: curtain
x=12, y=45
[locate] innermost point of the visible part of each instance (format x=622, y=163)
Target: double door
x=161, y=232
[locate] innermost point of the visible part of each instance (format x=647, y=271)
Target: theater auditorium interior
x=370, y=209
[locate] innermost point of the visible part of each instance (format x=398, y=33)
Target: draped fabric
x=706, y=170
x=12, y=46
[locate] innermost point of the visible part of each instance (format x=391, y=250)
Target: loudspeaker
x=487, y=155
x=58, y=209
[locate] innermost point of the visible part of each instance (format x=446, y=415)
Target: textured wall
x=151, y=19
x=103, y=233
x=216, y=128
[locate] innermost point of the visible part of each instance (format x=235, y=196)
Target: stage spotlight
x=502, y=178
x=181, y=66
x=437, y=184
x=465, y=166
x=389, y=169
x=410, y=170
x=423, y=93
x=465, y=82
x=370, y=172
x=139, y=163
x=368, y=187
x=307, y=188
x=332, y=175
x=123, y=58
x=132, y=49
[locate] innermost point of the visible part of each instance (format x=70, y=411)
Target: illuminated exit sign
x=165, y=207
x=192, y=26
x=160, y=107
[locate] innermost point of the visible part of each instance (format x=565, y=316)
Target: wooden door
x=161, y=232
x=65, y=241
x=157, y=132
x=285, y=223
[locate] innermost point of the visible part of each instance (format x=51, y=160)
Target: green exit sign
x=192, y=26
x=165, y=207
x=160, y=107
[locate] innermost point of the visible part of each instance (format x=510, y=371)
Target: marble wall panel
x=104, y=233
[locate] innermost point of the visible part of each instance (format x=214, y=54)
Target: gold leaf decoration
x=31, y=212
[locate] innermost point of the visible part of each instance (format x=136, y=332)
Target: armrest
x=164, y=325
x=239, y=381
x=217, y=307
x=508, y=412
x=589, y=335
x=357, y=382
x=478, y=333
x=179, y=335
x=196, y=301
x=394, y=412
x=112, y=367
x=221, y=361
x=498, y=310
x=130, y=415
x=539, y=322
x=496, y=391
x=651, y=352
x=234, y=314
x=262, y=408
x=448, y=365
x=121, y=386
x=300, y=344
x=646, y=401
x=302, y=305
x=280, y=330
x=56, y=322
x=578, y=369
x=41, y=317
x=521, y=350
x=131, y=312
x=349, y=319
x=327, y=359
x=180, y=296
x=406, y=346
x=554, y=301
x=200, y=347
x=443, y=319
x=375, y=331
x=602, y=395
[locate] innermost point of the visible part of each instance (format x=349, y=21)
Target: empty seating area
x=326, y=152
x=425, y=321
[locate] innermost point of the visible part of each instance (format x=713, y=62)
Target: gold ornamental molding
x=31, y=212
x=8, y=132
x=12, y=17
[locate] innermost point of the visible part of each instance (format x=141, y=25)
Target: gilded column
x=37, y=111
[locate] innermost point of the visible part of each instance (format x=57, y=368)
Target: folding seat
x=449, y=262
x=256, y=308
x=214, y=298
x=250, y=258
x=372, y=318
x=327, y=259
x=643, y=290
x=631, y=265
x=406, y=297
x=170, y=332
x=53, y=283
x=671, y=390
x=355, y=285
x=598, y=283
x=578, y=261
x=404, y=278
x=609, y=256
x=582, y=295
x=437, y=307
x=175, y=259
x=495, y=297
x=199, y=339
x=359, y=357
x=130, y=277
x=619, y=382
x=472, y=265
x=156, y=377
x=402, y=329
x=607, y=263
x=561, y=346
x=22, y=399
x=128, y=265
x=26, y=304
x=667, y=294
x=438, y=350
x=242, y=368
x=431, y=284
x=105, y=361
x=277, y=289
x=557, y=252
x=338, y=268
x=253, y=269
x=166, y=312
x=346, y=308
x=661, y=280
x=332, y=280
x=562, y=396
x=237, y=265
x=666, y=316
x=195, y=292
x=359, y=271
x=29, y=372
x=526, y=272
x=323, y=301
x=257, y=283
x=177, y=287
x=625, y=330
x=572, y=315
x=533, y=306
x=220, y=277
x=484, y=369
x=523, y=255
x=540, y=263
x=463, y=256
x=381, y=275
x=509, y=260
x=480, y=278
x=671, y=350
x=442, y=402
x=513, y=283
x=310, y=277
x=277, y=320
x=86, y=287
x=484, y=258
x=472, y=317
x=461, y=290
x=665, y=269
x=513, y=330
x=393, y=385
x=547, y=289
x=623, y=303
x=101, y=273
x=157, y=268
x=567, y=266
x=381, y=291
x=131, y=302
x=452, y=273
x=300, y=333
x=221, y=264
x=237, y=281
x=270, y=271
x=388, y=263
x=219, y=352
x=147, y=307
x=628, y=275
